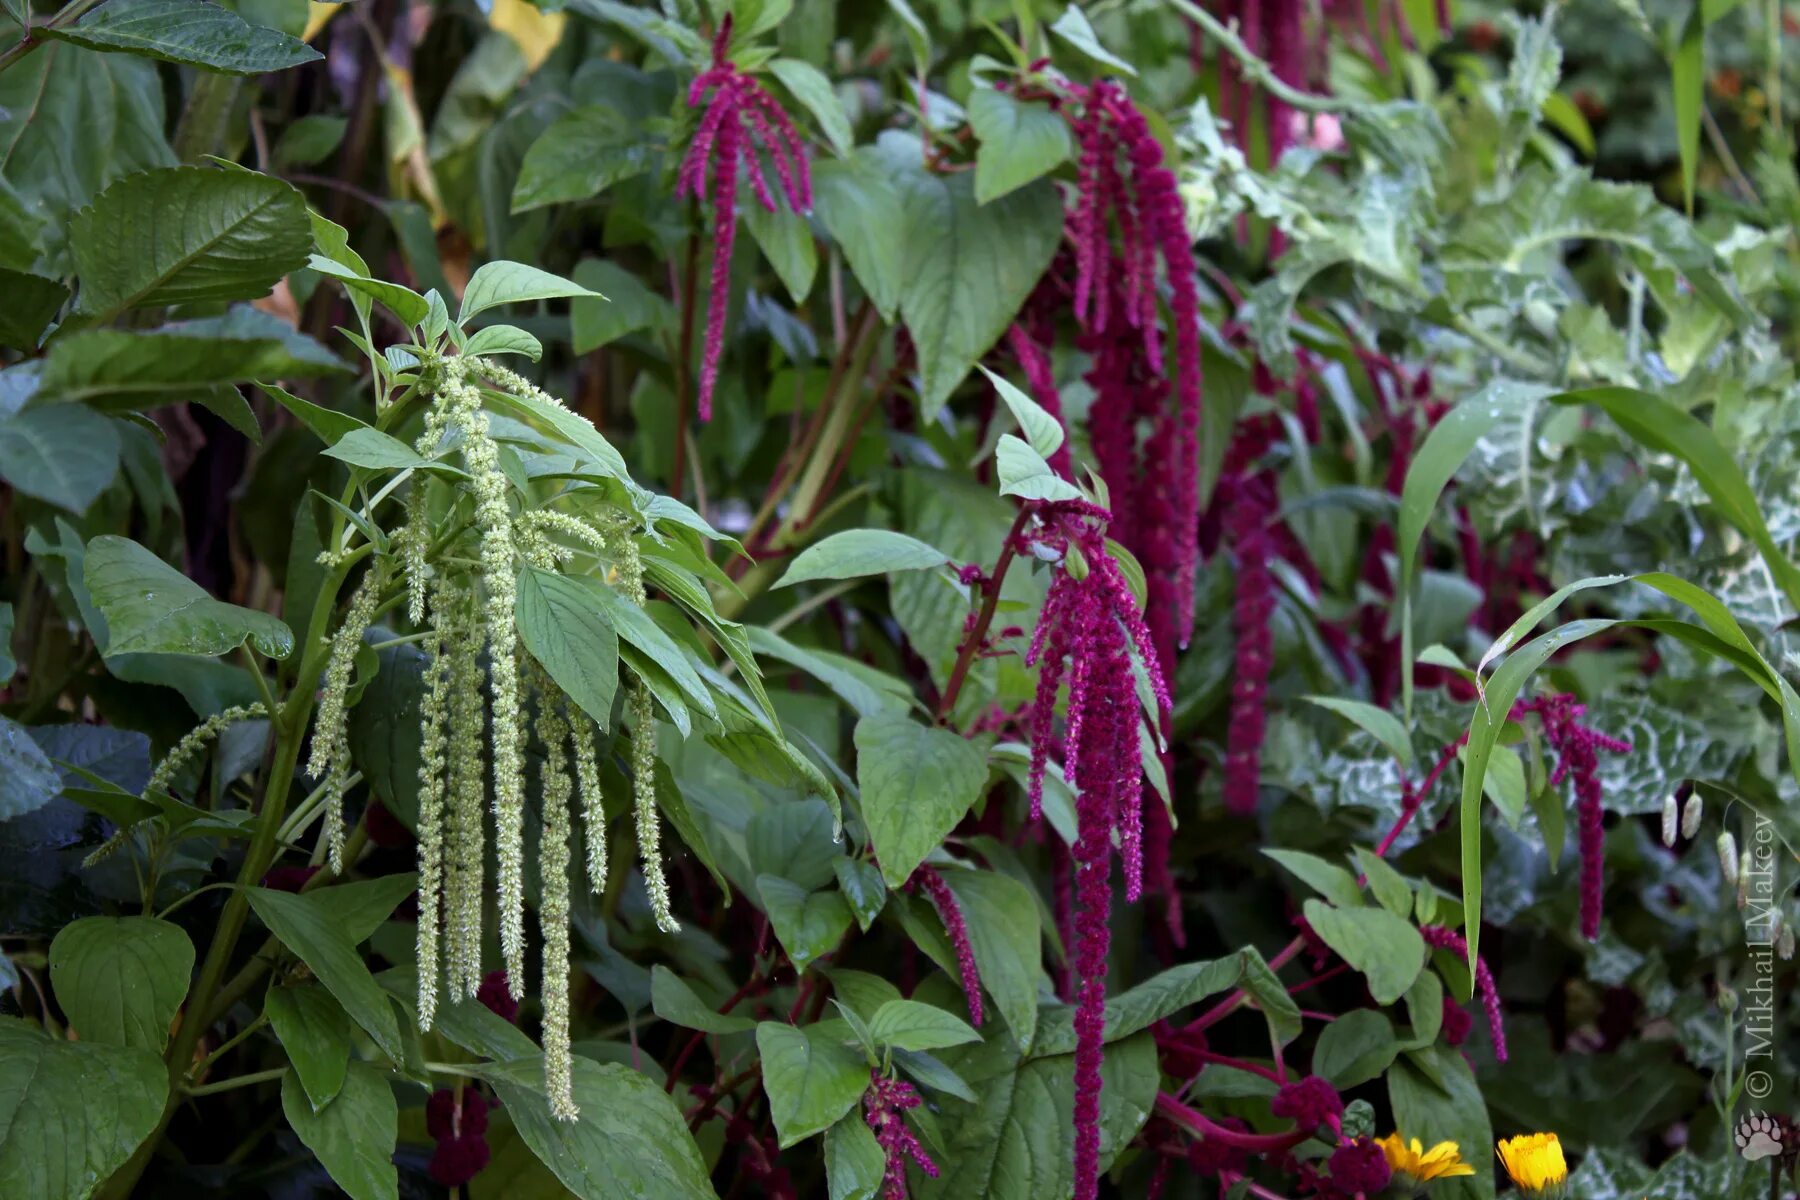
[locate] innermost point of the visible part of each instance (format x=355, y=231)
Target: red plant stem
x=1195, y=1122
x=750, y=987
x=965, y=657
x=1238, y=1064
x=684, y=381
x=1316, y=980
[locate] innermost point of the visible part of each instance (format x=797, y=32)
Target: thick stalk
x=684, y=359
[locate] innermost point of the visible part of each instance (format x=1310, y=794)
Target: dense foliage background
x=663, y=601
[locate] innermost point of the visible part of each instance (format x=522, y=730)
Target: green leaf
x=811, y=1080
x=1024, y=473
x=150, y=607
x=1425, y=1009
x=1390, y=887
x=673, y=1000
x=1005, y=933
x=637, y=629
x=32, y=303
x=602, y=460
x=27, y=780
x=1073, y=28
x=629, y=306
x=809, y=925
x=314, y=928
x=1383, y=725
x=1386, y=949
x=309, y=140
x=917, y=782
x=862, y=888
x=1021, y=140
x=912, y=1025
x=968, y=266
x=1355, y=1048
x=1435, y=1098
x=1658, y=425
x=66, y=454
x=810, y=87
x=864, y=216
x=1157, y=998
x=1043, y=431
x=568, y=634
x=71, y=1113
x=581, y=154
x=315, y=1032
x=1504, y=784
x=1688, y=68
x=8, y=664
x=1326, y=878
x=193, y=33
x=503, y=339
x=120, y=980
x=786, y=241
x=862, y=687
x=629, y=1141
x=857, y=552
x=855, y=1164
x=374, y=450
x=354, y=1135
x=399, y=299
x=183, y=235
x=503, y=282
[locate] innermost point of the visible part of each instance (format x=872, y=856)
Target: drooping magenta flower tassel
x=1091, y=617
x=949, y=911
x=723, y=144
x=1253, y=603
x=883, y=1107
x=1443, y=938
x=1577, y=754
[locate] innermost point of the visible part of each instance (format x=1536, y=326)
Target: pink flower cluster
x=950, y=913
x=883, y=1106
x=1091, y=620
x=1247, y=515
x=1577, y=748
x=739, y=108
x=1445, y=938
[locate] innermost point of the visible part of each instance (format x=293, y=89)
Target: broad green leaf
x=1355, y=1048
x=582, y=153
x=315, y=930
x=1157, y=998
x=374, y=450
x=32, y=302
x=309, y=140
x=862, y=888
x=855, y=1164
x=71, y=1113
x=399, y=299
x=503, y=282
x=571, y=638
x=121, y=980
x=859, y=208
x=150, y=607
x=27, y=780
x=1435, y=1099
x=193, y=33
x=353, y=1135
x=1383, y=725
x=183, y=235
x=1660, y=426
x=602, y=460
x=1023, y=472
x=315, y=1032
x=810, y=87
x=785, y=239
x=862, y=687
x=1021, y=140
x=1326, y=878
x=629, y=306
x=912, y=1025
x=917, y=782
x=1425, y=1009
x=811, y=1080
x=1504, y=784
x=856, y=552
x=968, y=266
x=1073, y=28
x=638, y=630
x=1386, y=949
x=327, y=424
x=66, y=454
x=673, y=1000
x=503, y=339
x=1390, y=887
x=1043, y=431
x=629, y=1141
x=808, y=924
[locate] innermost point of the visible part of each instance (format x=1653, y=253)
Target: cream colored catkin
x=593, y=809
x=434, y=758
x=467, y=841
x=330, y=758
x=553, y=894
x=643, y=758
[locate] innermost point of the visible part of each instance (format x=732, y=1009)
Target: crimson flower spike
x=742, y=122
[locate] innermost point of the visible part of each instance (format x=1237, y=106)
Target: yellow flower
x=1442, y=1161
x=1535, y=1162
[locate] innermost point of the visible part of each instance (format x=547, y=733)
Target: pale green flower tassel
x=433, y=761
x=553, y=897
x=643, y=758
x=467, y=841
x=330, y=758
x=163, y=777
x=593, y=811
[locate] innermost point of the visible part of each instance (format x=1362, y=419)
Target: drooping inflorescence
x=1444, y=938
x=741, y=122
x=330, y=760
x=1253, y=603
x=1091, y=618
x=884, y=1106
x=928, y=880
x=1577, y=749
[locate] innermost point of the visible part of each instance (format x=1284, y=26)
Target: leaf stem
x=227, y=1085
x=965, y=656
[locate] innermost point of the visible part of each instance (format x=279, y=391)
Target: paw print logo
x=1758, y=1137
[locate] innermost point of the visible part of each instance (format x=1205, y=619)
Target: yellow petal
x=535, y=31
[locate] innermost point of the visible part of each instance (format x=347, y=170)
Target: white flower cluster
x=330, y=760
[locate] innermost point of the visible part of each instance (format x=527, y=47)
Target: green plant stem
x=228, y=1045
x=227, y=1085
